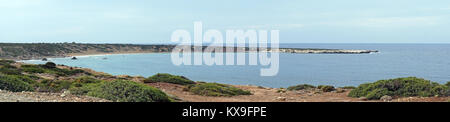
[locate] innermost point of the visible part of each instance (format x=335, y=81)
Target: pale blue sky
x=153, y=21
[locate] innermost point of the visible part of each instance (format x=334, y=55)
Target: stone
x=386, y=98
x=65, y=93
x=363, y=98
x=281, y=99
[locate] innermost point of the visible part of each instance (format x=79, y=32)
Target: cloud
x=60, y=31
x=399, y=21
x=269, y=26
x=20, y=3
x=388, y=22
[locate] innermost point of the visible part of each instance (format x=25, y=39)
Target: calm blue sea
x=430, y=61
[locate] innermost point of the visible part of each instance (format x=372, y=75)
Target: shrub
x=168, y=78
x=83, y=89
x=348, y=87
x=326, y=88
x=6, y=62
x=300, y=87
x=79, y=82
x=404, y=87
x=10, y=70
x=126, y=91
x=448, y=84
x=215, y=89
x=14, y=84
x=48, y=68
x=49, y=65
x=54, y=86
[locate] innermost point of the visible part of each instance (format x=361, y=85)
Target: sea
x=429, y=61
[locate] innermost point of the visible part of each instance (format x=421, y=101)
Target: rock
x=65, y=93
x=281, y=99
x=363, y=98
x=386, y=98
x=44, y=59
x=74, y=58
x=340, y=90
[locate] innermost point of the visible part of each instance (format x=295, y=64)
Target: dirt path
x=6, y=96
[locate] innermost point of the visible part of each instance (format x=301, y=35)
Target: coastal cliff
x=25, y=51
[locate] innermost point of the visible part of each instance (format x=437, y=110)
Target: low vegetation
x=14, y=84
x=18, y=77
x=326, y=88
x=50, y=68
x=348, y=87
x=402, y=87
x=124, y=91
x=23, y=79
x=168, y=78
x=300, y=87
x=215, y=89
x=53, y=85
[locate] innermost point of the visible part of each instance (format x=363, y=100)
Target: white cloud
x=399, y=21
x=20, y=3
x=269, y=26
x=389, y=22
x=60, y=31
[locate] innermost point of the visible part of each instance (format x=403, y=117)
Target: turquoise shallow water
x=430, y=61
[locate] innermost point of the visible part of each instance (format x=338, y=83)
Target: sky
x=153, y=21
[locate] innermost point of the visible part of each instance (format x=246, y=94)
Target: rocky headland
x=27, y=51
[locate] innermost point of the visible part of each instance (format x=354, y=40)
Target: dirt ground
x=261, y=94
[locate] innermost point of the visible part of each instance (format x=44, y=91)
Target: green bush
x=54, y=86
x=348, y=87
x=32, y=69
x=125, y=91
x=168, y=78
x=9, y=70
x=404, y=87
x=83, y=89
x=215, y=89
x=49, y=65
x=51, y=69
x=326, y=88
x=79, y=82
x=300, y=87
x=448, y=84
x=6, y=62
x=14, y=84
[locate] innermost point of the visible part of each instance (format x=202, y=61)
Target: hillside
x=23, y=51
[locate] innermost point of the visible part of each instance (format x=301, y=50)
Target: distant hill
x=23, y=51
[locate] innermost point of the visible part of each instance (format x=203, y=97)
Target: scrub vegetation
x=400, y=87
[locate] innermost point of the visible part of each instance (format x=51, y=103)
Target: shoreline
x=38, y=51
x=303, y=51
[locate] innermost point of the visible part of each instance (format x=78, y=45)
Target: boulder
x=281, y=99
x=386, y=98
x=363, y=98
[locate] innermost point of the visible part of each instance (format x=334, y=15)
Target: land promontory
x=25, y=51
